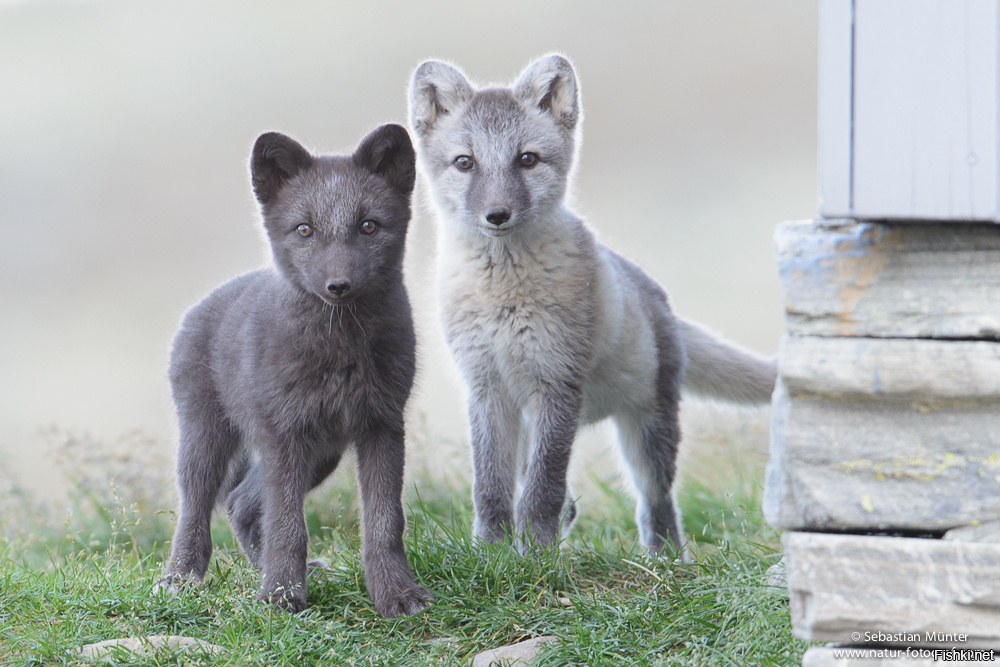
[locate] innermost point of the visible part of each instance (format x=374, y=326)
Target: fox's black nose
x=498, y=216
x=338, y=286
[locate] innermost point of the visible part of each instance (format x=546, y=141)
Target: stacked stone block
x=886, y=436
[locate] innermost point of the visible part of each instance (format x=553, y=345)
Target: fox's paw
x=172, y=584
x=292, y=600
x=407, y=602
x=666, y=551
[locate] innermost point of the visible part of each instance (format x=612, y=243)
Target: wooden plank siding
x=835, y=106
x=908, y=100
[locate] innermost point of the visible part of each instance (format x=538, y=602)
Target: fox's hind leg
x=245, y=505
x=207, y=445
x=650, y=443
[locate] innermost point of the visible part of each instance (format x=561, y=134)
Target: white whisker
x=353, y=309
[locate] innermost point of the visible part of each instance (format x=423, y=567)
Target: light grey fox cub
x=549, y=328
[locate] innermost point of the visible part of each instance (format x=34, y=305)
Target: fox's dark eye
x=528, y=159
x=368, y=227
x=304, y=231
x=464, y=162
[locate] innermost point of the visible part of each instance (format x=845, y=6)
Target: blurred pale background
x=125, y=130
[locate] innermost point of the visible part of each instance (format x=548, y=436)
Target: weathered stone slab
x=521, y=653
x=891, y=369
x=144, y=645
x=841, y=656
x=845, y=278
x=875, y=434
x=893, y=591
x=867, y=466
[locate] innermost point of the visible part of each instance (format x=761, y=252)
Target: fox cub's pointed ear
x=549, y=83
x=437, y=90
x=388, y=152
x=274, y=161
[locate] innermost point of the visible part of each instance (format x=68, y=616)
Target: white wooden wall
x=908, y=109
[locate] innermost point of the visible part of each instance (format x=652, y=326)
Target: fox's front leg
x=554, y=421
x=388, y=575
x=206, y=447
x=283, y=527
x=495, y=426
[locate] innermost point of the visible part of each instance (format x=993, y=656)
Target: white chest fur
x=550, y=311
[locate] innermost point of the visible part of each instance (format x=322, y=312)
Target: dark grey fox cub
x=276, y=373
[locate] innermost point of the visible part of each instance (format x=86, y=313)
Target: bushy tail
x=725, y=371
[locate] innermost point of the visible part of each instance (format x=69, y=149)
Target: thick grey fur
x=550, y=328
x=276, y=373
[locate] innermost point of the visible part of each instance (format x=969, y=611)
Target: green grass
x=606, y=601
